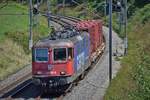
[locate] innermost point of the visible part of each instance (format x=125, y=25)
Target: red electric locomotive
x=59, y=59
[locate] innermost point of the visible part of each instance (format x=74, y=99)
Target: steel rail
x=76, y=82
x=63, y=23
x=59, y=19
x=11, y=85
x=8, y=87
x=20, y=89
x=74, y=19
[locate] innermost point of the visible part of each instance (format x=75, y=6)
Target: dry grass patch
x=12, y=58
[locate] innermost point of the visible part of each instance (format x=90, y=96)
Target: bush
x=14, y=51
x=133, y=81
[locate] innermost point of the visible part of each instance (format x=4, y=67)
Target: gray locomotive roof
x=59, y=42
x=53, y=43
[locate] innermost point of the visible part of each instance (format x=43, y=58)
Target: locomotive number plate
x=49, y=67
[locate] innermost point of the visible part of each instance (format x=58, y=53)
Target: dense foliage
x=133, y=81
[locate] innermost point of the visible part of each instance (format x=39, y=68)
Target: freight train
x=62, y=57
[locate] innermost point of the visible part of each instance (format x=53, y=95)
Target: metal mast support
x=125, y=27
x=48, y=12
x=105, y=11
x=30, y=24
x=64, y=1
x=120, y=19
x=110, y=40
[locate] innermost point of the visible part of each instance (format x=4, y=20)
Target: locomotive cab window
x=60, y=54
x=41, y=54
x=70, y=53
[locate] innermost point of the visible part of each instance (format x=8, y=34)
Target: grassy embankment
x=78, y=11
x=14, y=53
x=133, y=80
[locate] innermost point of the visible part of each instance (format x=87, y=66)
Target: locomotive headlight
x=62, y=73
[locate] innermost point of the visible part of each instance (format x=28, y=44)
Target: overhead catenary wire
x=87, y=9
x=16, y=14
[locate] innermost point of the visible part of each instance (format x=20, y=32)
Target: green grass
x=13, y=23
x=133, y=81
x=14, y=52
x=77, y=11
x=12, y=58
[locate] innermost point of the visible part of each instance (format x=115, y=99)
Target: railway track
x=21, y=83
x=28, y=90
x=60, y=21
x=21, y=89
x=73, y=19
x=16, y=79
x=75, y=83
x=63, y=21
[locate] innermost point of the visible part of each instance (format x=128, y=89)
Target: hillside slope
x=14, y=53
x=133, y=81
